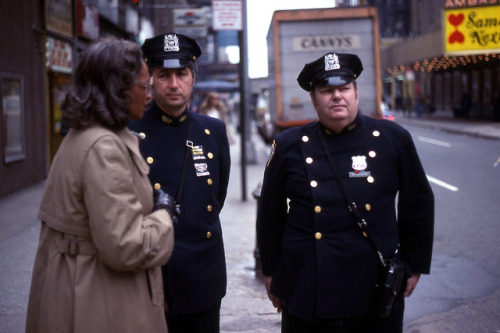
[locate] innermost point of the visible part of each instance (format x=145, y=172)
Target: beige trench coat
x=97, y=267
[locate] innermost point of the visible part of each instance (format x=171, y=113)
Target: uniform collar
x=349, y=128
x=169, y=120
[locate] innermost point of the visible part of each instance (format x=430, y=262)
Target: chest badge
x=359, y=165
x=201, y=169
x=197, y=152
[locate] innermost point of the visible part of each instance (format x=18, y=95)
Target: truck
x=296, y=37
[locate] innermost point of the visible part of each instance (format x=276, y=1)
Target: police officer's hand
x=411, y=284
x=274, y=299
x=166, y=201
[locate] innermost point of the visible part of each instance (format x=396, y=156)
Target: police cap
x=170, y=50
x=332, y=69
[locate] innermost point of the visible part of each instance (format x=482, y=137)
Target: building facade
x=39, y=47
x=449, y=62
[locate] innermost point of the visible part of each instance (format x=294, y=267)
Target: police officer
x=188, y=155
x=320, y=270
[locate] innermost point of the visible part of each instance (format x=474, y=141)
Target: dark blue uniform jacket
x=322, y=266
x=195, y=276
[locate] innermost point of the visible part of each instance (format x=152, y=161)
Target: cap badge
x=171, y=43
x=331, y=62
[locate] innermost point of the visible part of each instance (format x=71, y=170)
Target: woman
x=212, y=106
x=102, y=239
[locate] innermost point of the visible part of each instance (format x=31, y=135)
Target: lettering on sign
x=469, y=3
x=472, y=29
x=309, y=43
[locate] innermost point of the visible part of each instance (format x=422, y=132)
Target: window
x=13, y=135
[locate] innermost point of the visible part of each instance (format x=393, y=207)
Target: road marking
x=442, y=184
x=434, y=142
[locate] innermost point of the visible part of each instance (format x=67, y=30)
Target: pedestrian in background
x=103, y=239
x=214, y=107
x=189, y=158
x=320, y=269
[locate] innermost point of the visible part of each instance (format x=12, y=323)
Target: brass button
x=207, y=132
x=157, y=186
x=149, y=160
x=318, y=235
x=305, y=138
x=309, y=160
x=327, y=131
x=210, y=155
x=314, y=183
x=370, y=179
x=209, y=181
x=209, y=235
x=368, y=207
x=376, y=133
x=209, y=208
x=142, y=136
x=372, y=154
x=317, y=209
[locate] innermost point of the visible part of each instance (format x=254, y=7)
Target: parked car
x=386, y=112
x=263, y=117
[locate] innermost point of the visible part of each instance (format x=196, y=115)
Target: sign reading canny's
x=472, y=30
x=331, y=42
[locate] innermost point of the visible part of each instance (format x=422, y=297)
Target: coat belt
x=71, y=245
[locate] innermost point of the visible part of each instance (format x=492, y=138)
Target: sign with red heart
x=472, y=30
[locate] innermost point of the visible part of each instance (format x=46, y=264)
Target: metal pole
x=242, y=36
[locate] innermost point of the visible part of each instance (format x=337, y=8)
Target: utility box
x=296, y=37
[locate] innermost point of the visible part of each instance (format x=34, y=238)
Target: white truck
x=297, y=37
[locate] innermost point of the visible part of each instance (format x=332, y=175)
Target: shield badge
x=359, y=165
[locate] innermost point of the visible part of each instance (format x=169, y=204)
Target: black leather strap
x=189, y=146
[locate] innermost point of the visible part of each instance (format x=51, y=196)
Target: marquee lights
x=446, y=62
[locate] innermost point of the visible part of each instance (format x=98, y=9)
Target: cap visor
x=175, y=63
x=334, y=81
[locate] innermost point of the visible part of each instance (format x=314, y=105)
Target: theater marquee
x=472, y=30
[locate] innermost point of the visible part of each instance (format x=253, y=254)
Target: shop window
x=13, y=132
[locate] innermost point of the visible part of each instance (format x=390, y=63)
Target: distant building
x=426, y=66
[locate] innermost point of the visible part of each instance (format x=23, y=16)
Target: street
x=462, y=293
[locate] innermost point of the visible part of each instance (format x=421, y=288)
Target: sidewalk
x=443, y=120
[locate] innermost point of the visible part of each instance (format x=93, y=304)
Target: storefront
x=456, y=70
